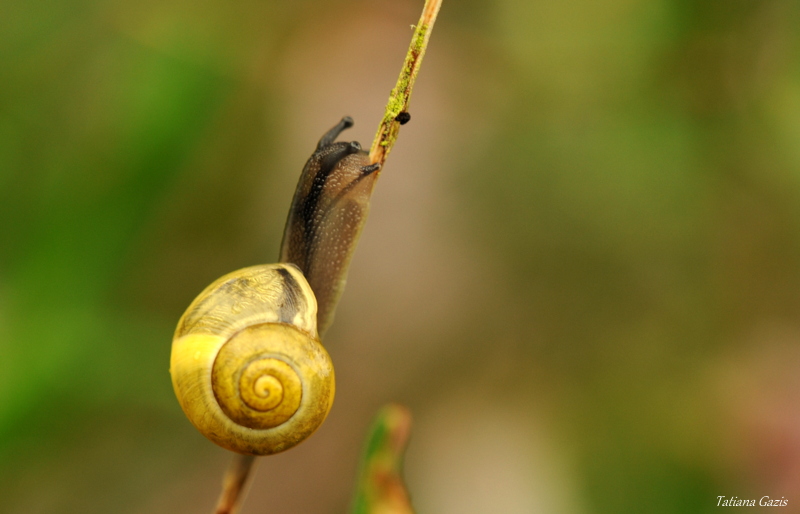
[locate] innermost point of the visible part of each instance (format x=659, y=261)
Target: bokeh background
x=581, y=271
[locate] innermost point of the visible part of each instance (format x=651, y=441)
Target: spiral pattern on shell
x=247, y=365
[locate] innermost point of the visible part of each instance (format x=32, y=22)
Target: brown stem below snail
x=234, y=484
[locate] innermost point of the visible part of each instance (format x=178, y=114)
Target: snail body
x=247, y=363
x=327, y=214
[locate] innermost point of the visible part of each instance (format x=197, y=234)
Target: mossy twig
x=401, y=94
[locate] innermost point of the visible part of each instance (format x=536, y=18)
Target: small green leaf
x=380, y=488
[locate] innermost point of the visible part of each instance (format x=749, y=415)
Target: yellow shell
x=247, y=365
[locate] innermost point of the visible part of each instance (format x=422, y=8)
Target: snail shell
x=247, y=365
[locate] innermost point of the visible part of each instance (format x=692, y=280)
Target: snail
x=247, y=363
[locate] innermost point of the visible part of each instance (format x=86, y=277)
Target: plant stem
x=234, y=484
x=401, y=94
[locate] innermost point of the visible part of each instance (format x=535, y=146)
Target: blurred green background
x=581, y=270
